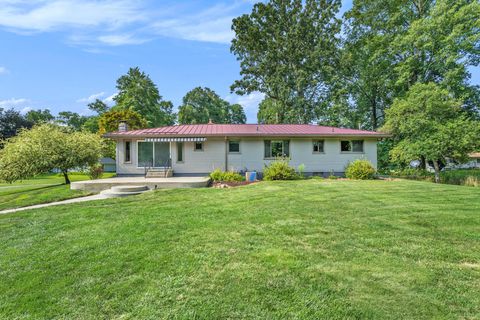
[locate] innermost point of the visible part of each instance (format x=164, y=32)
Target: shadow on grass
x=32, y=189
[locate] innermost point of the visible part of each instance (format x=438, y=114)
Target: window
x=153, y=154
x=234, y=146
x=277, y=148
x=351, y=146
x=179, y=151
x=145, y=154
x=128, y=152
x=198, y=146
x=318, y=146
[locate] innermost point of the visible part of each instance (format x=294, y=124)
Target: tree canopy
x=47, y=147
x=11, y=121
x=110, y=120
x=137, y=92
x=392, y=45
x=430, y=123
x=201, y=105
x=288, y=50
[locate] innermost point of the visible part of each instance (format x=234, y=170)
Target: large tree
x=202, y=105
x=137, y=92
x=392, y=45
x=11, y=121
x=429, y=123
x=288, y=50
x=47, y=147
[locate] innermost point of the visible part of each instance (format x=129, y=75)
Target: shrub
x=227, y=176
x=467, y=177
x=95, y=172
x=279, y=170
x=360, y=170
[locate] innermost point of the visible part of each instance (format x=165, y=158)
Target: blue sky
x=62, y=54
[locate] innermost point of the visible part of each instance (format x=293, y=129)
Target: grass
x=314, y=249
x=42, y=189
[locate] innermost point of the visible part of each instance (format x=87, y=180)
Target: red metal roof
x=189, y=130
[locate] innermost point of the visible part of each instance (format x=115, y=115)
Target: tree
x=47, y=147
x=11, y=121
x=392, y=45
x=137, y=92
x=430, y=123
x=288, y=50
x=110, y=120
x=98, y=106
x=72, y=120
x=39, y=116
x=201, y=105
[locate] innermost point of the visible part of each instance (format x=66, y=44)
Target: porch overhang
x=185, y=139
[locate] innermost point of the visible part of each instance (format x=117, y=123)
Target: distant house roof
x=221, y=130
x=474, y=155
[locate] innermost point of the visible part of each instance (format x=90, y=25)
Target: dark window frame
x=180, y=151
x=350, y=146
x=195, y=146
x=127, y=152
x=268, y=153
x=314, y=142
x=229, y=146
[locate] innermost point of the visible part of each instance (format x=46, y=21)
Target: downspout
x=226, y=154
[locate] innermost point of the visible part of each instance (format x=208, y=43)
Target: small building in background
x=108, y=164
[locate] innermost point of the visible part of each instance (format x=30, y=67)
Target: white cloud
x=91, y=98
x=109, y=100
x=90, y=23
x=249, y=103
x=44, y=15
x=25, y=110
x=13, y=102
x=120, y=39
x=3, y=70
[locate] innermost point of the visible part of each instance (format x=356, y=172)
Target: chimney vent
x=210, y=121
x=122, y=126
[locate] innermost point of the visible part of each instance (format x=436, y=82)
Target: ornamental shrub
x=95, y=171
x=226, y=176
x=360, y=170
x=279, y=170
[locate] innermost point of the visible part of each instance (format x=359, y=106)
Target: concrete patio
x=152, y=183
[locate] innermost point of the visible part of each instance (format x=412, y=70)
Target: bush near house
x=465, y=177
x=360, y=170
x=279, y=170
x=226, y=176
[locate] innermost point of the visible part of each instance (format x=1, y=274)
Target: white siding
x=251, y=156
x=212, y=157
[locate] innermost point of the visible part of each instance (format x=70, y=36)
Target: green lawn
x=42, y=189
x=315, y=249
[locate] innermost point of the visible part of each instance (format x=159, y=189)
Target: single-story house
x=198, y=149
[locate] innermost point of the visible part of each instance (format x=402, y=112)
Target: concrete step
x=159, y=173
x=124, y=191
x=129, y=188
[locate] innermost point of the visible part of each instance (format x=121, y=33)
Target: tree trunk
x=65, y=175
x=423, y=163
x=437, y=171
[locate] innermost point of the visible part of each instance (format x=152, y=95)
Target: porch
x=152, y=183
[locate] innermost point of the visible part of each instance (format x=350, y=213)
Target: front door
x=161, y=154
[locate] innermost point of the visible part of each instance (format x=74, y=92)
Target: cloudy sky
x=63, y=54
